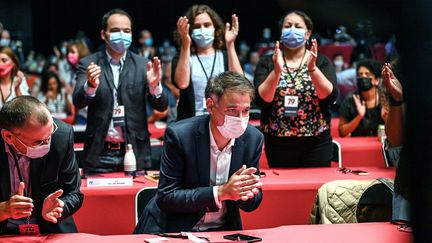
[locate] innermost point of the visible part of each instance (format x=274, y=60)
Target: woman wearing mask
x=202, y=38
x=146, y=48
x=74, y=52
x=12, y=81
x=361, y=111
x=295, y=88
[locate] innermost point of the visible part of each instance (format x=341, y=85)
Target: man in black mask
x=361, y=111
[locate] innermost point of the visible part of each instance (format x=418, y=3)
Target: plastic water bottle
x=129, y=162
x=381, y=133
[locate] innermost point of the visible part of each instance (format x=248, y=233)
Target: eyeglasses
x=40, y=142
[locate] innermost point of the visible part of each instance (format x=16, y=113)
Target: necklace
x=296, y=70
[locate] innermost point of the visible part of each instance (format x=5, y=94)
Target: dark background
x=42, y=24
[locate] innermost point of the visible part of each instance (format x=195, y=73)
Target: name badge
x=119, y=116
x=291, y=105
x=29, y=229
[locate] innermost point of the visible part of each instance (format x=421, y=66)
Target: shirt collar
x=111, y=60
x=213, y=142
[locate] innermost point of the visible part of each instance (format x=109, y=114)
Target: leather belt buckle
x=114, y=146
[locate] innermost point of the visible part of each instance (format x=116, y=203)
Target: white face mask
x=233, y=127
x=338, y=63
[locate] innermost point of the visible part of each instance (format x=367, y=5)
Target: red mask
x=72, y=58
x=5, y=68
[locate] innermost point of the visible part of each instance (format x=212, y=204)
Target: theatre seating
x=337, y=153
x=79, y=156
x=142, y=198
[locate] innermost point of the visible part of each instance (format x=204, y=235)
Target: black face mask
x=364, y=84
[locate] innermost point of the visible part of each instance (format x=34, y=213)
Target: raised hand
x=93, y=74
x=19, y=78
x=18, y=205
x=360, y=105
x=311, y=62
x=242, y=185
x=183, y=29
x=52, y=207
x=231, y=31
x=391, y=83
x=154, y=72
x=50, y=95
x=278, y=59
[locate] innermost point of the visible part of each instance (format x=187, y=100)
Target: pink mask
x=5, y=68
x=233, y=127
x=72, y=58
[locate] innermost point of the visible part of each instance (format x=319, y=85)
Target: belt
x=114, y=146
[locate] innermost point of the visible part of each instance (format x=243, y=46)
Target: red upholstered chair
x=379, y=52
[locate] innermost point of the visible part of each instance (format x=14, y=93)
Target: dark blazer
x=56, y=170
x=133, y=93
x=184, y=192
x=186, y=104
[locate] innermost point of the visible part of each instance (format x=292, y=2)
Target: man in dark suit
x=209, y=168
x=39, y=176
x=115, y=85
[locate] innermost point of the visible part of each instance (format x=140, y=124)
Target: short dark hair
x=229, y=81
x=373, y=66
x=16, y=112
x=305, y=17
x=112, y=12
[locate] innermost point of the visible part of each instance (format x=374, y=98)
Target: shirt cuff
x=156, y=91
x=216, y=197
x=91, y=92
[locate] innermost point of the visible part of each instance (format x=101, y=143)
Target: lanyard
x=116, y=71
x=26, y=193
x=202, y=66
x=297, y=70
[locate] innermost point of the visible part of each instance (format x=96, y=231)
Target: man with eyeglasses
x=210, y=165
x=39, y=176
x=115, y=84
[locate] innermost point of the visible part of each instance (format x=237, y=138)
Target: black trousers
x=297, y=152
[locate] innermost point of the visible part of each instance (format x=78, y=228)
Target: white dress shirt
x=220, y=162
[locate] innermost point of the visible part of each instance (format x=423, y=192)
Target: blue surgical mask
x=5, y=42
x=119, y=41
x=293, y=38
x=148, y=42
x=63, y=50
x=203, y=37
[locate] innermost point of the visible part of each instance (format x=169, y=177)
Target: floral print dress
x=309, y=120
